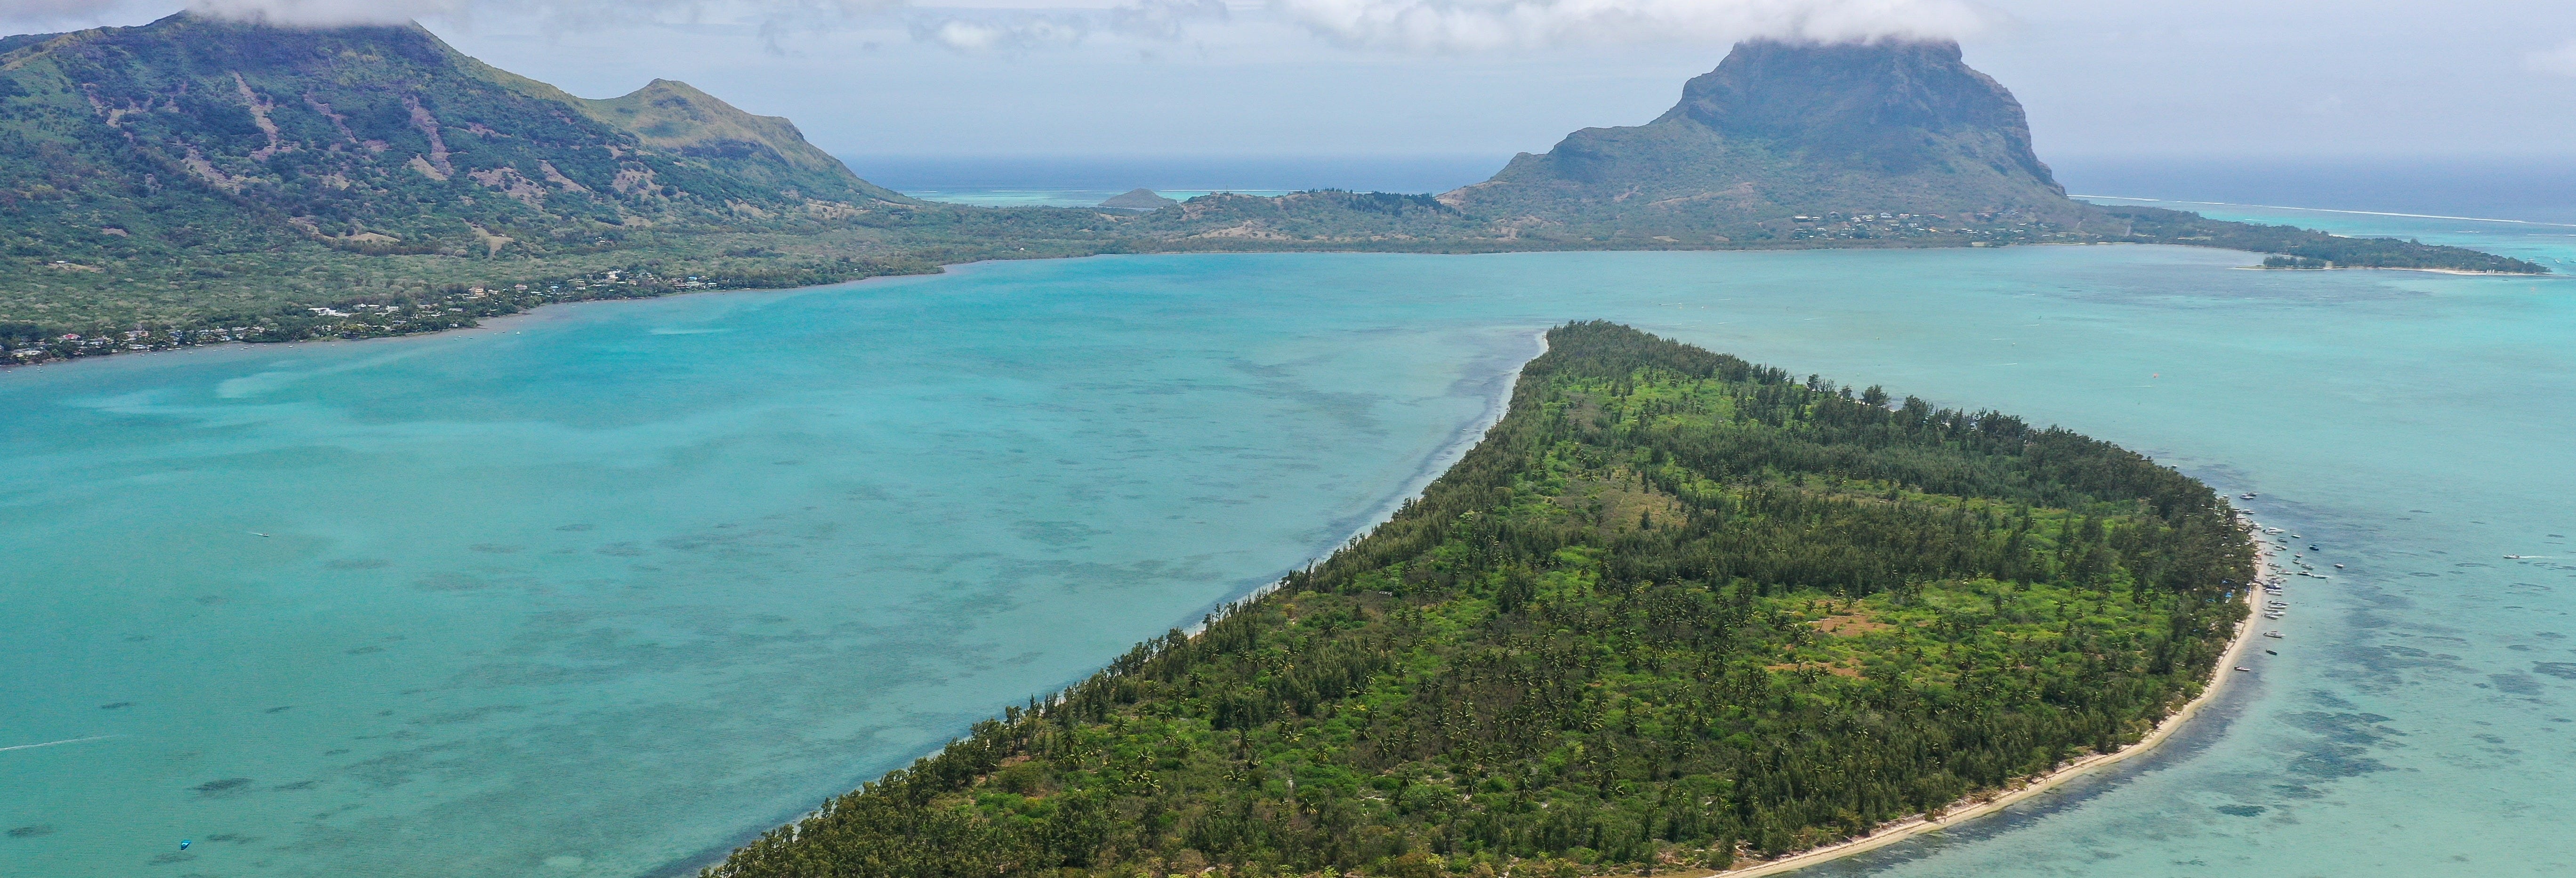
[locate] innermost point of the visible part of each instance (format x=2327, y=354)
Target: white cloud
x=1007, y=32
x=1020, y=29
x=1473, y=25
x=1021, y=25
x=1165, y=19
x=36, y=9
x=18, y=16
x=2561, y=60
x=1011, y=25
x=329, y=13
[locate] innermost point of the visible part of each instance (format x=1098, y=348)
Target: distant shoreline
x=1173, y=248
x=2462, y=272
x=1984, y=804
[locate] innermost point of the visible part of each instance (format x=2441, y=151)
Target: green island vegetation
x=1676, y=610
x=2308, y=248
x=201, y=180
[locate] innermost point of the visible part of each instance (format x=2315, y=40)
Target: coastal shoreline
x=1982, y=805
x=499, y=320
x=493, y=325
x=2454, y=272
x=1438, y=464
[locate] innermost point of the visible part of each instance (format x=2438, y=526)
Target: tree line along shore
x=205, y=179
x=1675, y=611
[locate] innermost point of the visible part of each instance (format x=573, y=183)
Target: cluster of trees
x=2307, y=247
x=1676, y=609
x=380, y=307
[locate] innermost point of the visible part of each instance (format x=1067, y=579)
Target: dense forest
x=1676, y=610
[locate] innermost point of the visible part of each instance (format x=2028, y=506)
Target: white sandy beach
x=1990, y=802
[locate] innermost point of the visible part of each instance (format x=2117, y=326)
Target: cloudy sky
x=889, y=78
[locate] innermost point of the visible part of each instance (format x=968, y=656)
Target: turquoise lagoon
x=600, y=590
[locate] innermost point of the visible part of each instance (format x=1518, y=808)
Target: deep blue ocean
x=604, y=589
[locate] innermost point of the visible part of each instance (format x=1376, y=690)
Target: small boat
x=184, y=843
x=2273, y=615
x=2272, y=634
x=2249, y=495
x=2338, y=567
x=2245, y=669
x=2269, y=652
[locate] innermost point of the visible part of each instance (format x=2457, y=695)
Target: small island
x=1675, y=611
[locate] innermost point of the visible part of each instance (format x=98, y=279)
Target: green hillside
x=200, y=171
x=200, y=180
x=378, y=138
x=1675, y=610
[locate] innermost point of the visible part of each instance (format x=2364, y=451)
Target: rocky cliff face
x=193, y=131
x=1898, y=107
x=1781, y=129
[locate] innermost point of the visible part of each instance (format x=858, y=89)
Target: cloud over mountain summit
x=1469, y=25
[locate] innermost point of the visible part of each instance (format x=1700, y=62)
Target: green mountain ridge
x=383, y=131
x=672, y=115
x=14, y=42
x=200, y=180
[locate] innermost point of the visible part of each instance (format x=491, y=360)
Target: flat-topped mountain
x=199, y=179
x=1784, y=129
